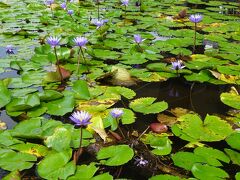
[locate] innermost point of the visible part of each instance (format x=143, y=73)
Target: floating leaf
x=186, y=160
x=165, y=177
x=208, y=172
x=234, y=156
x=30, y=148
x=61, y=106
x=146, y=105
x=13, y=161
x=233, y=140
x=212, y=156
x=115, y=155
x=84, y=172
x=23, y=103
x=56, y=165
x=80, y=89
x=14, y=175
x=60, y=140
x=231, y=99
x=161, y=144
x=191, y=128
x=5, y=97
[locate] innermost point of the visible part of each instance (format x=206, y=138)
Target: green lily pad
x=12, y=161
x=192, y=128
x=80, y=89
x=208, y=172
x=115, y=155
x=231, y=99
x=5, y=97
x=56, y=165
x=61, y=106
x=146, y=105
x=60, y=140
x=233, y=140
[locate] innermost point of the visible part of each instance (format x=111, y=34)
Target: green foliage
x=165, y=177
x=233, y=140
x=208, y=172
x=147, y=105
x=161, y=144
x=60, y=140
x=231, y=99
x=12, y=161
x=61, y=106
x=5, y=97
x=56, y=165
x=192, y=128
x=80, y=89
x=115, y=155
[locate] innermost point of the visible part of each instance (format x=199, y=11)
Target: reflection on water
x=176, y=92
x=7, y=119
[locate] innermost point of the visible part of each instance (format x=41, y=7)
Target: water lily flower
x=9, y=49
x=80, y=41
x=196, y=18
x=70, y=12
x=140, y=162
x=53, y=41
x=49, y=2
x=64, y=6
x=81, y=118
x=138, y=39
x=177, y=65
x=99, y=23
x=124, y=2
x=116, y=113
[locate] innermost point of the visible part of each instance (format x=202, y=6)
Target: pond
x=122, y=89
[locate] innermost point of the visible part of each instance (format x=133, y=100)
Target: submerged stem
x=57, y=63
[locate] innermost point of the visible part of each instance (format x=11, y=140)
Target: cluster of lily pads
x=73, y=105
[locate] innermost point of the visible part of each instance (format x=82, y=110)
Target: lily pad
x=192, y=128
x=115, y=155
x=147, y=105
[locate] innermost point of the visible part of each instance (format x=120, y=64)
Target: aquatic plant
x=99, y=23
x=195, y=18
x=81, y=43
x=81, y=119
x=54, y=42
x=63, y=5
x=9, y=49
x=125, y=4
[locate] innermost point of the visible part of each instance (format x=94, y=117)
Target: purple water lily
x=81, y=118
x=64, y=6
x=49, y=2
x=80, y=41
x=177, y=65
x=138, y=39
x=9, y=49
x=70, y=12
x=116, y=113
x=196, y=18
x=125, y=2
x=53, y=41
x=99, y=23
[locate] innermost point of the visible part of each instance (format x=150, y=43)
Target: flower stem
x=119, y=127
x=84, y=60
x=78, y=63
x=195, y=36
x=79, y=151
x=57, y=63
x=98, y=3
x=51, y=11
